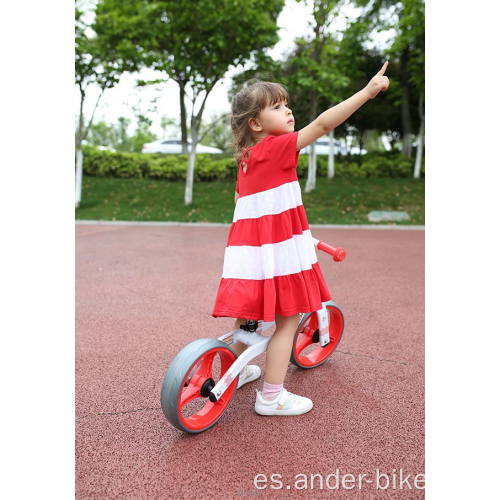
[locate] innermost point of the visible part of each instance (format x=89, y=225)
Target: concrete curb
x=217, y=224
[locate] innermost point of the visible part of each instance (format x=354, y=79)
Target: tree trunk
x=182, y=86
x=405, y=106
x=321, y=11
x=188, y=195
x=78, y=175
x=195, y=131
x=80, y=136
x=360, y=140
x=331, y=155
x=420, y=148
x=314, y=166
x=311, y=172
x=309, y=169
x=365, y=137
x=79, y=153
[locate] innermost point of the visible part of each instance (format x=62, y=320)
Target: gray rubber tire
x=174, y=379
x=293, y=359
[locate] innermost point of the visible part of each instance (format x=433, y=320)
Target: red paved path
x=144, y=292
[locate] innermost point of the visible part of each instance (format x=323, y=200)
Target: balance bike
x=202, y=379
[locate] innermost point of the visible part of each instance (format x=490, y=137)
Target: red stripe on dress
x=268, y=228
x=262, y=299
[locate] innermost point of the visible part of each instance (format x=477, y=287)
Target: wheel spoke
x=305, y=341
x=193, y=371
x=198, y=379
x=192, y=392
x=205, y=370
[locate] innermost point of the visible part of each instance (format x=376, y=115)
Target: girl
x=271, y=270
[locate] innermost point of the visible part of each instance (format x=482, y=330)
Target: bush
x=369, y=165
x=223, y=167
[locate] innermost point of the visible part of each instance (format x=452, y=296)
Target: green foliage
x=411, y=38
x=93, y=66
x=211, y=168
x=370, y=165
x=93, y=63
x=194, y=43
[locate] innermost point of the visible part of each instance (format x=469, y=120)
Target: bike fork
x=323, y=326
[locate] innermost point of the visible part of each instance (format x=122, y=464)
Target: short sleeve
x=283, y=150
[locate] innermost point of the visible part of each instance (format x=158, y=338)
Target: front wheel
x=307, y=351
x=188, y=381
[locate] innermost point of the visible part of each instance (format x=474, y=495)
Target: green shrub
x=223, y=167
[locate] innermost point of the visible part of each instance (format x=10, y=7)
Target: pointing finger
x=382, y=71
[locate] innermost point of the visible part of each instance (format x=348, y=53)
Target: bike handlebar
x=338, y=254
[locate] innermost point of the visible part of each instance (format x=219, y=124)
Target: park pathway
x=144, y=292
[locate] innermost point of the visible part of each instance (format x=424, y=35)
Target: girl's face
x=276, y=119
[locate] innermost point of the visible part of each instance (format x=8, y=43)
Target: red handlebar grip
x=338, y=254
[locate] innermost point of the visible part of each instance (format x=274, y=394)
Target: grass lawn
x=342, y=200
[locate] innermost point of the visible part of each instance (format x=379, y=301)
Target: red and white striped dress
x=270, y=262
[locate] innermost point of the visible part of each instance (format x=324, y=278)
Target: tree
x=318, y=75
x=409, y=45
x=316, y=83
x=359, y=64
x=91, y=68
x=408, y=48
x=411, y=41
x=194, y=44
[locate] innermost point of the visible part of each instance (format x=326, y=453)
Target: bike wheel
x=306, y=350
x=188, y=381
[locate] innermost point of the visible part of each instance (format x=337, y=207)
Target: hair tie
x=243, y=160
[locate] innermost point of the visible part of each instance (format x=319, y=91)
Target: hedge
x=223, y=167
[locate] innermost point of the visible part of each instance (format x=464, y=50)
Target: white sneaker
x=285, y=403
x=252, y=372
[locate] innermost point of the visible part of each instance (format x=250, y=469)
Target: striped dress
x=270, y=263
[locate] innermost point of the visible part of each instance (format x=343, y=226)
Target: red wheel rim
x=316, y=356
x=210, y=412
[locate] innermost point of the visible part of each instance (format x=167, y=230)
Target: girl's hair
x=247, y=104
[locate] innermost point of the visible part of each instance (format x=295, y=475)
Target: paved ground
x=144, y=292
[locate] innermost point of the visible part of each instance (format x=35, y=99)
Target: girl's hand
x=378, y=82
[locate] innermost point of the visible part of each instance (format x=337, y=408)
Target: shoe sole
x=284, y=413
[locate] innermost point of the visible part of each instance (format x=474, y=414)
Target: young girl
x=271, y=271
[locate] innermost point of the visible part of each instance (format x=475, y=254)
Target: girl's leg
x=280, y=348
x=239, y=347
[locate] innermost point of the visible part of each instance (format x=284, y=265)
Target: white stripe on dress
x=270, y=202
x=267, y=261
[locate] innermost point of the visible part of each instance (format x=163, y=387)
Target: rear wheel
x=189, y=380
x=307, y=351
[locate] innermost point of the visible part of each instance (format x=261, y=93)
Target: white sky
x=293, y=21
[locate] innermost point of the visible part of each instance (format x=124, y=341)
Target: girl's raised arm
x=333, y=117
